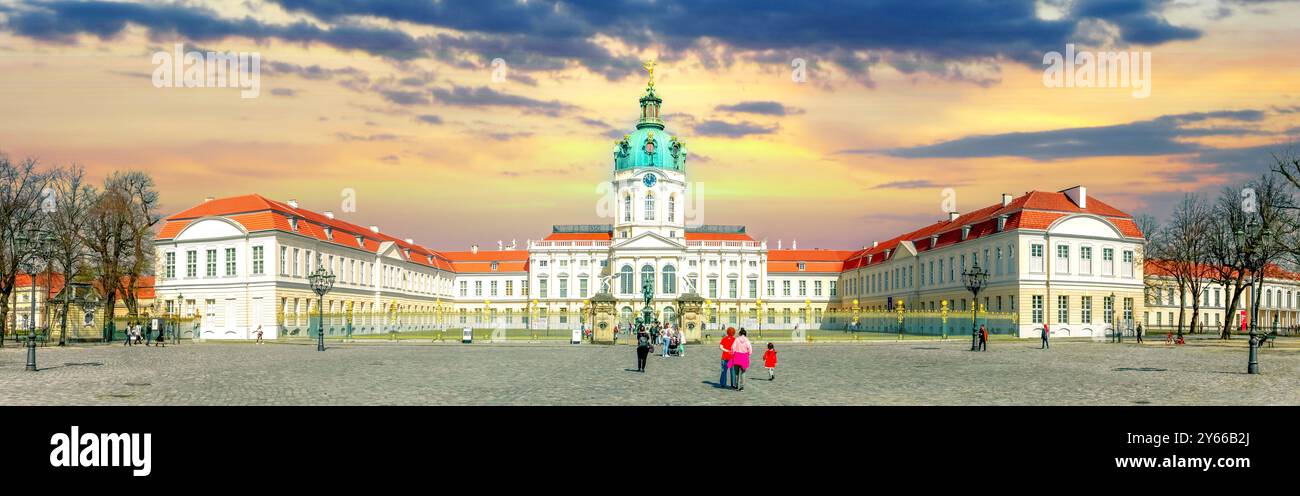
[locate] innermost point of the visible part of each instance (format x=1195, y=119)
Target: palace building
x=241, y=263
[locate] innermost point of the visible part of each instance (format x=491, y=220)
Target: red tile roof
x=600, y=236
x=704, y=236
x=144, y=286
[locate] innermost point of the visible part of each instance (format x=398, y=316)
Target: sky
x=832, y=123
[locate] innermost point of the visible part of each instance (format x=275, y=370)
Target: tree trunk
x=1182, y=306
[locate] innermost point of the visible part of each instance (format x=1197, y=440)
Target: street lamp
x=30, y=250
x=899, y=308
x=321, y=282
x=1254, y=259
x=975, y=279
x=180, y=314
x=1114, y=317
x=759, y=304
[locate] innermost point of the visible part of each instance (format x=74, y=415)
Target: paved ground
x=908, y=373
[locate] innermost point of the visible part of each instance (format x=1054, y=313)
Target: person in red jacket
x=769, y=361
x=725, y=346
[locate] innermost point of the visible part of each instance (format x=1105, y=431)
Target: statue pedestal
x=604, y=319
x=691, y=306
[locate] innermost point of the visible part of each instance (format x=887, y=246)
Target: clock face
x=649, y=180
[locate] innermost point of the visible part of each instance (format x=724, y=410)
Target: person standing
x=642, y=348
x=740, y=351
x=148, y=335
x=664, y=341
x=984, y=338
x=162, y=339
x=259, y=334
x=725, y=346
x=128, y=335
x=681, y=342
x=769, y=361
x=1139, y=333
x=1046, y=333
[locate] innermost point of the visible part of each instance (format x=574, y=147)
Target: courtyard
x=909, y=372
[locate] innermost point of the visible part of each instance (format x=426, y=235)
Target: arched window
x=627, y=208
x=625, y=315
x=648, y=276
x=672, y=208
x=649, y=206
x=625, y=280
x=670, y=280
x=670, y=315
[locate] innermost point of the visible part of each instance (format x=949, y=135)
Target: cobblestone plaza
x=878, y=373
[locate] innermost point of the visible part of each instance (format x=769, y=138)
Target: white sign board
x=467, y=335
x=577, y=337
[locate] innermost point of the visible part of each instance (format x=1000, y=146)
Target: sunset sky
x=396, y=100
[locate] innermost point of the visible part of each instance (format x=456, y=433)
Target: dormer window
x=934, y=239
x=1002, y=222
x=329, y=232
x=494, y=266
x=802, y=266
x=293, y=224
x=361, y=241
x=965, y=232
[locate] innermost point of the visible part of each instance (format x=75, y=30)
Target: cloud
x=373, y=137
x=313, y=72
x=732, y=129
x=401, y=97
x=760, y=108
x=464, y=96
x=1163, y=135
x=286, y=92
x=429, y=119
x=913, y=184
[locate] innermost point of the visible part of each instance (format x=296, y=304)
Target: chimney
x=1006, y=199
x=952, y=216
x=875, y=244
x=329, y=214
x=208, y=199
x=474, y=249
x=501, y=245
x=794, y=244
x=409, y=241
x=778, y=244
x=293, y=204
x=374, y=229
x=1078, y=195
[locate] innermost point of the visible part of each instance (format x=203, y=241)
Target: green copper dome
x=650, y=146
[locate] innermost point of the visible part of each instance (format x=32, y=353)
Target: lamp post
x=321, y=282
x=975, y=279
x=943, y=314
x=856, y=311
x=180, y=314
x=31, y=249
x=1254, y=258
x=759, y=304
x=899, y=308
x=1114, y=316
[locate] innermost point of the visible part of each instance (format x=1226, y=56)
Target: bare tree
x=21, y=185
x=67, y=219
x=1181, y=251
x=1226, y=258
x=118, y=234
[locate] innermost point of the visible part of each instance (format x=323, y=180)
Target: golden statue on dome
x=650, y=68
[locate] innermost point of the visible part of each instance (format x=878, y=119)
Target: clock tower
x=650, y=175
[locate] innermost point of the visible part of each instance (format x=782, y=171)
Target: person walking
x=664, y=341
x=642, y=348
x=148, y=335
x=740, y=351
x=1139, y=333
x=162, y=339
x=128, y=335
x=681, y=342
x=725, y=346
x=769, y=361
x=1046, y=333
x=259, y=334
x=984, y=338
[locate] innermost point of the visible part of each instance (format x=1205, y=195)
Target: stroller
x=674, y=346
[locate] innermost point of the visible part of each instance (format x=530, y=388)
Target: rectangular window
x=170, y=270
x=1063, y=309
x=733, y=288
x=510, y=288
x=478, y=288
x=1127, y=268
x=785, y=285
x=803, y=288
x=1062, y=259
x=296, y=265
x=1108, y=309
x=940, y=271
x=541, y=288
x=1086, y=308
x=259, y=262
x=1128, y=312
x=753, y=289
x=582, y=288
x=492, y=288
x=1107, y=262
x=817, y=288
x=211, y=263
x=284, y=261
x=1036, y=258
x=1085, y=260
x=713, y=288
x=230, y=262
x=464, y=288
x=771, y=287
x=833, y=288
x=1038, y=309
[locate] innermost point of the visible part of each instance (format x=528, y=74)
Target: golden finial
x=650, y=68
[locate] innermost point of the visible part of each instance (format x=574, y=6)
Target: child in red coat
x=769, y=362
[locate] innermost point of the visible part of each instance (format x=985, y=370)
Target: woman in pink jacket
x=740, y=351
